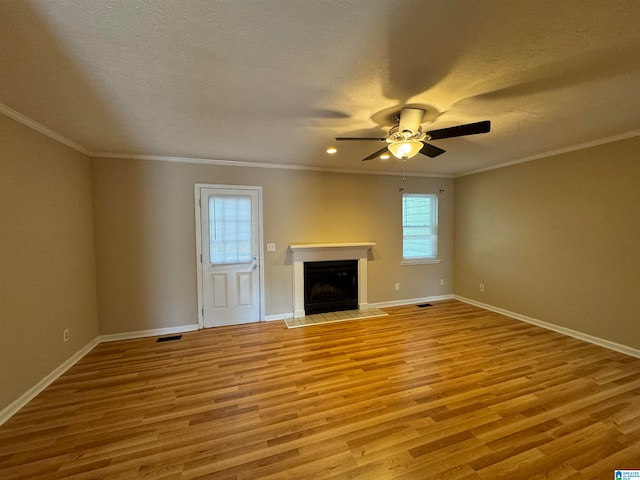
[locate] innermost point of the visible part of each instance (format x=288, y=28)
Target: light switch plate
x=271, y=247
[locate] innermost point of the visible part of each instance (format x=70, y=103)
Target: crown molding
x=38, y=127
x=235, y=163
x=551, y=153
x=28, y=122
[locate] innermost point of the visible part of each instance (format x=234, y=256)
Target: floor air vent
x=422, y=305
x=168, y=339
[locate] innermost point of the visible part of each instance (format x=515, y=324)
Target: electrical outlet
x=482, y=287
x=271, y=247
x=442, y=281
x=65, y=335
x=397, y=287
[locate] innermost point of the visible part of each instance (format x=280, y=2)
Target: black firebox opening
x=330, y=286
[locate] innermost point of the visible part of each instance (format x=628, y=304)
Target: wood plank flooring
x=450, y=391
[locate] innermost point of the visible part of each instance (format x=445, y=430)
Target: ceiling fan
x=406, y=139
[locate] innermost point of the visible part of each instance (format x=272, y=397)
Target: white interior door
x=230, y=247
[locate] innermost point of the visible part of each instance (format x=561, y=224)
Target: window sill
x=420, y=261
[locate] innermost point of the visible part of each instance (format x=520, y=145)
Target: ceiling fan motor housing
x=397, y=135
x=410, y=119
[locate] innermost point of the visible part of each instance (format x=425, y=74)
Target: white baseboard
x=409, y=301
x=155, y=332
x=278, y=316
x=30, y=394
x=13, y=407
x=556, y=328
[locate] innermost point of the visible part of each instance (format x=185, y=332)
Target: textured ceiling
x=275, y=81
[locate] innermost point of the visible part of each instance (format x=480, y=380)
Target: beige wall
x=556, y=239
x=47, y=272
x=145, y=235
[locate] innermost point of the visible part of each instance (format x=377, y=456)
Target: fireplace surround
x=326, y=252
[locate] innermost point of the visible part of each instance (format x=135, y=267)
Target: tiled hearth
x=331, y=317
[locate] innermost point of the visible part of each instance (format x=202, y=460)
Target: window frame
x=433, y=226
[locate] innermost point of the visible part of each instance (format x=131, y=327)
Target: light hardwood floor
x=450, y=391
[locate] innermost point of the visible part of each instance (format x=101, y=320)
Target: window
x=229, y=229
x=419, y=228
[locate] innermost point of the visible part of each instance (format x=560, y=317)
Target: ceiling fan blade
x=460, y=130
x=375, y=154
x=359, y=138
x=431, y=151
x=410, y=119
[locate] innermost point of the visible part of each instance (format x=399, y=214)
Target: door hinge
x=200, y=258
x=203, y=312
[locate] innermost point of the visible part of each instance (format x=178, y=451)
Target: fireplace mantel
x=318, y=252
x=313, y=246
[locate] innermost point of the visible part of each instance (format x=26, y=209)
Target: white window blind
x=229, y=229
x=419, y=226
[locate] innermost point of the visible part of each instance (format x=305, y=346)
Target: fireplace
x=323, y=252
x=330, y=286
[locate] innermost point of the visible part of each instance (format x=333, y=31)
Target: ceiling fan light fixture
x=405, y=148
x=332, y=150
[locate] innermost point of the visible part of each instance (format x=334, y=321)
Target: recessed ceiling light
x=331, y=150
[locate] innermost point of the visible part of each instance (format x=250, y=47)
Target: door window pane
x=229, y=229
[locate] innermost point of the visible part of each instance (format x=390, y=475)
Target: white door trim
x=197, y=194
